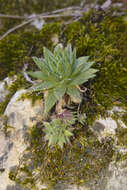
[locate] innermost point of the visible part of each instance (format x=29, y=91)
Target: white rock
x=106, y=4
x=104, y=127
x=38, y=23
x=116, y=109
x=6, y=82
x=21, y=116
x=118, y=176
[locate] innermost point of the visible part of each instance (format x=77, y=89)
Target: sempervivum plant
x=61, y=73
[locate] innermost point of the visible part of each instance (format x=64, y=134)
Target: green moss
x=101, y=36
x=31, y=95
x=18, y=49
x=104, y=39
x=12, y=175
x=28, y=7
x=47, y=33
x=78, y=163
x=6, y=128
x=122, y=137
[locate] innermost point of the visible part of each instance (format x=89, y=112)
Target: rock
x=4, y=85
x=106, y=4
x=21, y=115
x=115, y=177
x=104, y=127
x=117, y=180
x=116, y=109
x=38, y=22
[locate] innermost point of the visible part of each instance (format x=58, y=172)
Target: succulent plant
x=61, y=73
x=57, y=132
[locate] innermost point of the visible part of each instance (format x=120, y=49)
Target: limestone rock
x=117, y=180
x=21, y=115
x=104, y=127
x=4, y=86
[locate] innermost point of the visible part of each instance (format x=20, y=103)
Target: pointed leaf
x=38, y=75
x=82, y=60
x=38, y=62
x=81, y=67
x=88, y=65
x=43, y=86
x=45, y=69
x=50, y=101
x=84, y=76
x=68, y=133
x=74, y=93
x=50, y=58
x=59, y=92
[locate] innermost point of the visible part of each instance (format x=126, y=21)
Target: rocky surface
x=104, y=127
x=4, y=85
x=115, y=177
x=20, y=116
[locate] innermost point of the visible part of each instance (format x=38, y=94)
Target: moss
x=124, y=118
x=6, y=128
x=78, y=164
x=28, y=7
x=122, y=137
x=34, y=96
x=14, y=52
x=12, y=175
x=18, y=49
x=100, y=35
x=47, y=33
x=104, y=38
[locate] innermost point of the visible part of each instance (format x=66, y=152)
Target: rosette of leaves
x=61, y=73
x=57, y=132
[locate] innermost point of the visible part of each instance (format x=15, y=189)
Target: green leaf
x=61, y=141
x=59, y=92
x=38, y=62
x=52, y=141
x=88, y=65
x=43, y=86
x=51, y=60
x=56, y=122
x=82, y=60
x=68, y=133
x=66, y=62
x=38, y=75
x=80, y=66
x=46, y=124
x=43, y=65
x=50, y=101
x=74, y=92
x=84, y=76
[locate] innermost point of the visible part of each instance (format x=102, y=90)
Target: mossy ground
x=100, y=35
x=78, y=163
x=103, y=37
